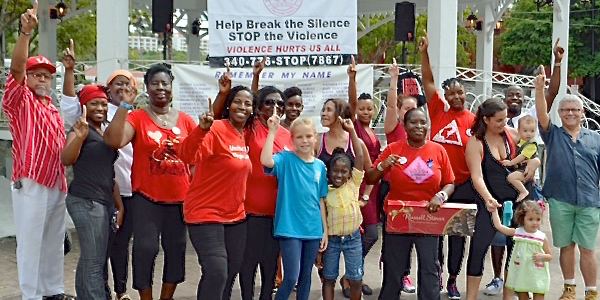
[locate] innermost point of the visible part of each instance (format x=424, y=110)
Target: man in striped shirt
x=38, y=178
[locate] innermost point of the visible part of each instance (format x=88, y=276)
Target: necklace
x=163, y=122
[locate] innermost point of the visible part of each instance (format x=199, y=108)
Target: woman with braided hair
x=451, y=127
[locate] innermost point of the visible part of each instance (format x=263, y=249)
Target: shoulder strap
x=511, y=144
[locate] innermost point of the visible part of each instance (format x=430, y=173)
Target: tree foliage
x=378, y=46
x=527, y=38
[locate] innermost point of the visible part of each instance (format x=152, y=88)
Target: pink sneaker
x=407, y=285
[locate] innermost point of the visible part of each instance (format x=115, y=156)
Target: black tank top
x=495, y=175
x=325, y=156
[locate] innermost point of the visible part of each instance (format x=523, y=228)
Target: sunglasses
x=272, y=102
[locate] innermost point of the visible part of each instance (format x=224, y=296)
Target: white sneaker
x=494, y=287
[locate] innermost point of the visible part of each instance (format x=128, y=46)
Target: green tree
x=378, y=46
x=527, y=38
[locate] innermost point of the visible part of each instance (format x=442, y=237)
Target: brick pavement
x=9, y=286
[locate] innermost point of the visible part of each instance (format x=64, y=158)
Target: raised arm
x=68, y=60
x=358, y=148
x=391, y=114
x=352, y=92
x=189, y=147
x=120, y=132
x=224, y=90
x=541, y=107
x=29, y=22
x=75, y=140
x=266, y=156
x=554, y=86
x=259, y=65
x=426, y=72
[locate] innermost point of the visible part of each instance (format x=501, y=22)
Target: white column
x=47, y=31
x=193, y=42
x=485, y=52
x=112, y=26
x=441, y=27
x=560, y=29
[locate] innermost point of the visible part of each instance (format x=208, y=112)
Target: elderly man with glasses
x=38, y=178
x=571, y=187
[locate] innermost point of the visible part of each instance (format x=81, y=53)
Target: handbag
x=68, y=243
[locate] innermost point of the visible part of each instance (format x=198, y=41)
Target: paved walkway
x=9, y=285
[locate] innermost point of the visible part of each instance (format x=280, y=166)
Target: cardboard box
x=413, y=217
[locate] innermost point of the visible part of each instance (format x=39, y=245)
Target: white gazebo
x=443, y=17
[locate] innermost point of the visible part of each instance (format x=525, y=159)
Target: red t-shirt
x=419, y=173
x=261, y=192
x=451, y=129
x=398, y=134
x=157, y=171
x=218, y=187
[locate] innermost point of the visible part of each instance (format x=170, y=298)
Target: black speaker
x=405, y=22
x=162, y=15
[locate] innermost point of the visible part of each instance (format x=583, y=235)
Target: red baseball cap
x=40, y=62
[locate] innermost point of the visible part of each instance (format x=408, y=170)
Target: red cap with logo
x=40, y=62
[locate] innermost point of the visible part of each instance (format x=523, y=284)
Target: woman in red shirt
x=261, y=195
x=159, y=179
x=214, y=205
x=450, y=127
x=419, y=170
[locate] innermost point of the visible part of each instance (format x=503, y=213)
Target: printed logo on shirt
x=449, y=135
x=418, y=170
x=317, y=176
x=239, y=152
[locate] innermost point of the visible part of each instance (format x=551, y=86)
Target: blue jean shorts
x=499, y=239
x=351, y=246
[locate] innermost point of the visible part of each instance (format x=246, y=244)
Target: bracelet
x=444, y=195
x=380, y=167
x=393, y=88
x=557, y=64
x=126, y=105
x=440, y=198
x=26, y=33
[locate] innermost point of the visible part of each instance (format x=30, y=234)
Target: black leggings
x=481, y=241
x=220, y=250
x=463, y=193
x=262, y=250
x=157, y=224
x=395, y=259
x=118, y=248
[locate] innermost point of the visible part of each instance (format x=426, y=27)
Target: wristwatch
x=365, y=198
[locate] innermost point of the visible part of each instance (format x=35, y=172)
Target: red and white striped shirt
x=38, y=136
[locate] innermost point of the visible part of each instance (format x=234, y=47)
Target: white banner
x=194, y=84
x=289, y=33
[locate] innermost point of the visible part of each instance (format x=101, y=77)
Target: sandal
x=346, y=291
x=124, y=297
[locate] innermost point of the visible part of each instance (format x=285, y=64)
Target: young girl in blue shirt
x=300, y=219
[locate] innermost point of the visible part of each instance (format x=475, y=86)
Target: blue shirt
x=301, y=185
x=572, y=167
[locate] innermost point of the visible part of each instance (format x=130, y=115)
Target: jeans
x=351, y=246
x=369, y=238
x=298, y=258
x=261, y=250
x=220, y=250
x=118, y=249
x=91, y=221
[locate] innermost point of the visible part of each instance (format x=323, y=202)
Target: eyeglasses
x=570, y=110
x=41, y=76
x=271, y=102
